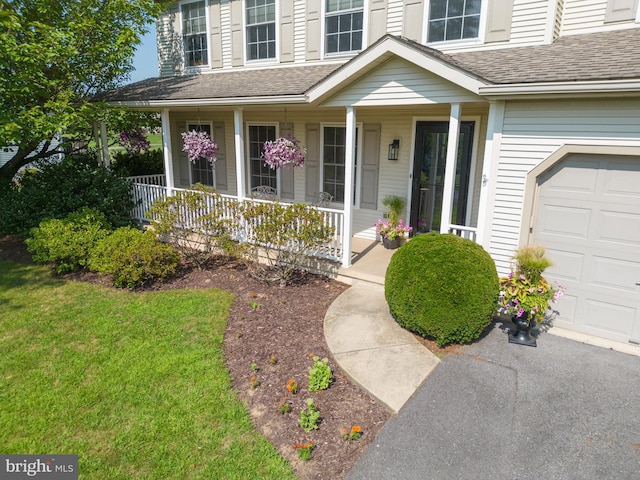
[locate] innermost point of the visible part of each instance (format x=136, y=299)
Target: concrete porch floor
x=369, y=262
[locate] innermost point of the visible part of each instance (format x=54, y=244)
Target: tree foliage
x=56, y=55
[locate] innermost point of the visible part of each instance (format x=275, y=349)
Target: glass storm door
x=428, y=175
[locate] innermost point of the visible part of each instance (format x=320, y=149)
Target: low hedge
x=442, y=287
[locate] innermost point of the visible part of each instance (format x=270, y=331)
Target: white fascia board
x=378, y=54
x=200, y=102
x=561, y=88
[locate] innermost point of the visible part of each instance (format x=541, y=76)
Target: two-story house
x=511, y=122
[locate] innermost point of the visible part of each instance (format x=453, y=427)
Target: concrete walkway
x=372, y=349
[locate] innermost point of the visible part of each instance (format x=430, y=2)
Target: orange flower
x=253, y=378
x=356, y=429
x=290, y=388
x=290, y=382
x=295, y=446
x=344, y=431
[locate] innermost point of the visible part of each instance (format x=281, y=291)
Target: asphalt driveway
x=563, y=410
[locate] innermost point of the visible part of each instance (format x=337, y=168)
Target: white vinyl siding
x=167, y=36
x=588, y=16
x=533, y=131
x=225, y=19
x=299, y=29
x=400, y=82
x=394, y=17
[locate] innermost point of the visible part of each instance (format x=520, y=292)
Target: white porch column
x=166, y=148
x=104, y=141
x=489, y=173
x=349, y=167
x=450, y=168
x=239, y=147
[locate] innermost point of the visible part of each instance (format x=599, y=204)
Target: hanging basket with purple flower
x=283, y=152
x=199, y=145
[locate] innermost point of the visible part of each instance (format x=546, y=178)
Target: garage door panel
x=621, y=181
x=619, y=227
x=609, y=317
x=574, y=177
x=617, y=274
x=567, y=266
x=563, y=221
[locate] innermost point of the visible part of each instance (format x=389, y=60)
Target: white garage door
x=588, y=218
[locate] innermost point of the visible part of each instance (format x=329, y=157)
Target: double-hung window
x=343, y=25
x=261, y=29
x=334, y=147
x=202, y=170
x=194, y=34
x=453, y=20
x=259, y=173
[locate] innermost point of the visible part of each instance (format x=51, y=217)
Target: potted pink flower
x=198, y=144
x=284, y=152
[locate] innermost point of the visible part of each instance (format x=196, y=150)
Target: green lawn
x=135, y=384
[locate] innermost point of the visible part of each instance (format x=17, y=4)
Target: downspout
x=349, y=167
x=450, y=168
x=166, y=148
x=490, y=173
x=239, y=147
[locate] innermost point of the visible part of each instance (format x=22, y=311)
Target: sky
x=145, y=60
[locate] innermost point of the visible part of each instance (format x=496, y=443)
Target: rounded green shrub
x=442, y=287
x=67, y=242
x=133, y=257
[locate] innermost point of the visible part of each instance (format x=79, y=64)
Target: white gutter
x=561, y=88
x=213, y=102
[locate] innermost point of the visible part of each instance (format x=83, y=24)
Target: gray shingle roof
x=221, y=85
x=611, y=55
x=596, y=56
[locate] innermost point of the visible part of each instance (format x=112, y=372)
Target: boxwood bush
x=67, y=242
x=133, y=257
x=442, y=287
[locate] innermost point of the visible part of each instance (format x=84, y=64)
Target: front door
x=428, y=175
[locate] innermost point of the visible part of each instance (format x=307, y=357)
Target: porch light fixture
x=393, y=149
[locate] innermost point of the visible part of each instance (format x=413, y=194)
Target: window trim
x=195, y=68
x=323, y=28
x=357, y=175
x=245, y=25
x=247, y=149
x=192, y=123
x=479, y=40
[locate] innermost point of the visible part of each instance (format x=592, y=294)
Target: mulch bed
x=277, y=328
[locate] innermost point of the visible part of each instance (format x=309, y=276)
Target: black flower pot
x=522, y=335
x=391, y=244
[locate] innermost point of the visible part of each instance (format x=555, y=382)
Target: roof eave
x=550, y=89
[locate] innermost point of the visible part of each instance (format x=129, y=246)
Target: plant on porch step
x=284, y=152
x=198, y=144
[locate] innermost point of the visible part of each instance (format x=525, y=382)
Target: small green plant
x=352, y=434
x=395, y=205
x=304, y=450
x=254, y=382
x=273, y=360
x=292, y=386
x=285, y=406
x=310, y=417
x=531, y=261
x=255, y=305
x=320, y=375
x=254, y=367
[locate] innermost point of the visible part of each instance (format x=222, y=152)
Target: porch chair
x=264, y=192
x=324, y=200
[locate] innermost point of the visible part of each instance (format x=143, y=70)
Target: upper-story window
x=453, y=20
x=343, y=25
x=194, y=34
x=261, y=29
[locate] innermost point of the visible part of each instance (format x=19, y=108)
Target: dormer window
x=343, y=25
x=194, y=34
x=261, y=29
x=453, y=20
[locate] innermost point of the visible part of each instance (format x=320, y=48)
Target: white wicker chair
x=264, y=192
x=324, y=200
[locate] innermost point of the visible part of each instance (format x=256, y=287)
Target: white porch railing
x=469, y=233
x=146, y=192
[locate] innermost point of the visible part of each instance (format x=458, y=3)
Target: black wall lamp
x=393, y=149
